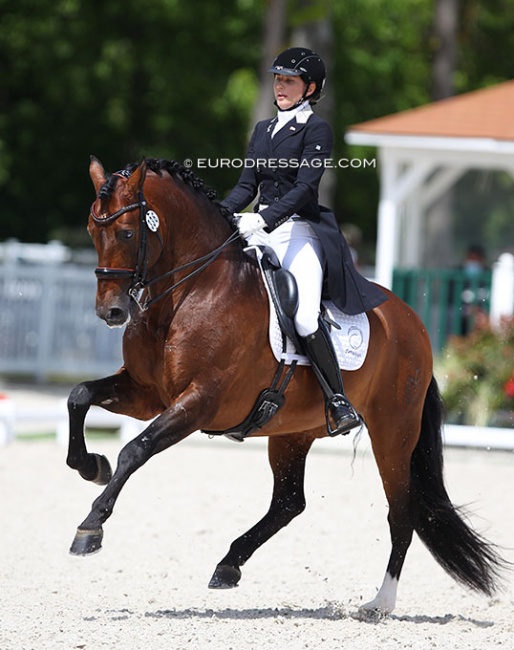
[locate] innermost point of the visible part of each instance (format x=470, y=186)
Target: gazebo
x=422, y=152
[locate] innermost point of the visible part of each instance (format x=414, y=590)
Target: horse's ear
x=97, y=173
x=137, y=178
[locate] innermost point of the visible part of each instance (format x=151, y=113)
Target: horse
x=173, y=270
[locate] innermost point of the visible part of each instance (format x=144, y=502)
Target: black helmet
x=304, y=63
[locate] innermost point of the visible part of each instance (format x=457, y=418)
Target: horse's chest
x=143, y=354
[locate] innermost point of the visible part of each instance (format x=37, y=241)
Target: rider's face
x=288, y=90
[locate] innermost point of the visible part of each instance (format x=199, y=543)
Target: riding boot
x=320, y=351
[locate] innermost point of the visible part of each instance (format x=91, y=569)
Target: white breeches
x=300, y=252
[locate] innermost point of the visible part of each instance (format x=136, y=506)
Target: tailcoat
x=285, y=171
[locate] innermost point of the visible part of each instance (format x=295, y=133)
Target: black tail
x=464, y=554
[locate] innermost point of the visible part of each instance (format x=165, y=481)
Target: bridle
x=138, y=275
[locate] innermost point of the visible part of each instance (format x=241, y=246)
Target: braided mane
x=175, y=170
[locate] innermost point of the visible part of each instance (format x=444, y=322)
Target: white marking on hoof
x=384, y=602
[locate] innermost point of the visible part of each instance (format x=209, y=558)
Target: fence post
x=502, y=289
x=47, y=318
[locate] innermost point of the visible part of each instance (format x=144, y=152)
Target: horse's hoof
x=103, y=473
x=370, y=614
x=87, y=542
x=225, y=577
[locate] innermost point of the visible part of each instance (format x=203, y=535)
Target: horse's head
x=150, y=243
x=121, y=227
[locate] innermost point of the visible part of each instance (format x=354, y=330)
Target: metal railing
x=449, y=301
x=48, y=325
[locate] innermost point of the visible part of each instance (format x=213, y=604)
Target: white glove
x=249, y=222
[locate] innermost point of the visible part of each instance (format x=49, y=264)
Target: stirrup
x=347, y=422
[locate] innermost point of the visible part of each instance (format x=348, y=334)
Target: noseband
x=138, y=275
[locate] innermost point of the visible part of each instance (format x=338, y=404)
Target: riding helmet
x=304, y=63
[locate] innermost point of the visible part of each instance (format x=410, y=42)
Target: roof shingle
x=484, y=113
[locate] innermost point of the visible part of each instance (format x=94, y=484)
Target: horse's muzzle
x=115, y=315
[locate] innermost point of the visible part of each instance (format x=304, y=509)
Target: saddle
x=283, y=290
x=284, y=293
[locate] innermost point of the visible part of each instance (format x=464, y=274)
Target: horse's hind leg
x=395, y=473
x=287, y=456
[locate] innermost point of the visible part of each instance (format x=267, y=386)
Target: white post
x=502, y=289
x=387, y=222
x=7, y=416
x=397, y=181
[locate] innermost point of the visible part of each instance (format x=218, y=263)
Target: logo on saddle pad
x=351, y=341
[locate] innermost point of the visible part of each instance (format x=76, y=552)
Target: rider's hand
x=249, y=222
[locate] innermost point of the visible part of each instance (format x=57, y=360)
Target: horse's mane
x=175, y=170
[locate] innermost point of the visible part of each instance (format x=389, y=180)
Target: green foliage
x=381, y=66
x=477, y=374
x=117, y=80
x=178, y=79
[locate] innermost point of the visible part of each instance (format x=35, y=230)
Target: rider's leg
x=303, y=257
x=318, y=347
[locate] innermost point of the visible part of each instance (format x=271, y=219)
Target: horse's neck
x=195, y=227
x=193, y=230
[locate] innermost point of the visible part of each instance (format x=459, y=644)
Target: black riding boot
x=319, y=349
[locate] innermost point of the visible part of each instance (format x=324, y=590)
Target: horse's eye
x=126, y=234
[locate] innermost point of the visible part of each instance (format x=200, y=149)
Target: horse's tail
x=464, y=554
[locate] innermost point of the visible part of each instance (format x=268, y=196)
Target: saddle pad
x=351, y=342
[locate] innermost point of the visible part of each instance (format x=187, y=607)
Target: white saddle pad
x=351, y=342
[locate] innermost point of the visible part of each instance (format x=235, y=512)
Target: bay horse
x=196, y=356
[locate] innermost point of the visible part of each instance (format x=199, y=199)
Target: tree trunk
x=273, y=39
x=445, y=55
x=440, y=249
x=317, y=35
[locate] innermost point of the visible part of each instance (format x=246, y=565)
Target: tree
x=272, y=42
x=118, y=80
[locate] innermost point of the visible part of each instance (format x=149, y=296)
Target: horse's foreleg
x=116, y=393
x=287, y=456
x=172, y=426
x=91, y=467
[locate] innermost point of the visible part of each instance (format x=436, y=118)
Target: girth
x=284, y=293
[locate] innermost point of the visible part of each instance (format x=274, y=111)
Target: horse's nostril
x=115, y=316
x=115, y=313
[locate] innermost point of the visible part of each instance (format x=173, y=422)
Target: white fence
x=48, y=325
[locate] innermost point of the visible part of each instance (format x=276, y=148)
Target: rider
x=285, y=163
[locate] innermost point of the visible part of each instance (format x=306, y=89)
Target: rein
x=140, y=283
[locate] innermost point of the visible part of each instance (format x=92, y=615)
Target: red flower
x=508, y=389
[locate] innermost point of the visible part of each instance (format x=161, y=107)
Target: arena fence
x=48, y=325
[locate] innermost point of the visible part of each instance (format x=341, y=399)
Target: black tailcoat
x=286, y=170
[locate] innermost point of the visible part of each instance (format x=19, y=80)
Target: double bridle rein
x=138, y=275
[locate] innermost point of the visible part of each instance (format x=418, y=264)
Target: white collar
x=301, y=113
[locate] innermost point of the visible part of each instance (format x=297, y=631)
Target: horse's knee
x=79, y=398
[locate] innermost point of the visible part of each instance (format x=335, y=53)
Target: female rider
x=288, y=155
